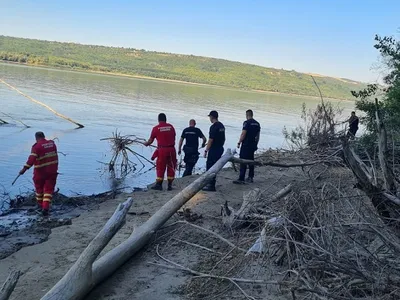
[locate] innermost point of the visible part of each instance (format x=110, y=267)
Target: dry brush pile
x=335, y=246
x=317, y=238
x=124, y=159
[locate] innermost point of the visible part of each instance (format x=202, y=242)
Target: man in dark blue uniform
x=215, y=146
x=191, y=134
x=248, y=141
x=353, y=125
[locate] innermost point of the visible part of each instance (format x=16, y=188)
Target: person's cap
x=213, y=114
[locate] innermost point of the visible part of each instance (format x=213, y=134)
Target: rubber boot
x=157, y=186
x=39, y=206
x=46, y=208
x=170, y=184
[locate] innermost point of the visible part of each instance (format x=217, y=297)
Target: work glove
x=203, y=145
x=179, y=152
x=22, y=172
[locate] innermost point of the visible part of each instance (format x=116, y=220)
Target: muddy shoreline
x=23, y=225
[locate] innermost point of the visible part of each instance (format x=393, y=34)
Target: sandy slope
x=45, y=263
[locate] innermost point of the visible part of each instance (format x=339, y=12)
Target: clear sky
x=330, y=37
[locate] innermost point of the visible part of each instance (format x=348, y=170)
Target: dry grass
x=330, y=243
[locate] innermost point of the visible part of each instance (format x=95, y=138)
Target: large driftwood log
x=11, y=117
x=366, y=181
x=42, y=104
x=80, y=282
x=107, y=264
x=382, y=150
x=9, y=285
x=250, y=200
x=275, y=164
x=248, y=210
x=77, y=281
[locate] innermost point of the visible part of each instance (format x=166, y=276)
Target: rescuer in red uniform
x=44, y=158
x=164, y=133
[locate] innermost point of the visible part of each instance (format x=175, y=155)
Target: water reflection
x=106, y=103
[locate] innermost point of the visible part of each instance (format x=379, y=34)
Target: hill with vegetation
x=188, y=68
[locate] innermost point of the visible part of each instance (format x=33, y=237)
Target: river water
x=105, y=103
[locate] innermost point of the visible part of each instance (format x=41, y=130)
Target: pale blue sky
x=330, y=37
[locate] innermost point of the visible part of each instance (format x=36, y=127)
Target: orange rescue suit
x=165, y=134
x=44, y=159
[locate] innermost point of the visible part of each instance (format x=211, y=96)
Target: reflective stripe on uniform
x=27, y=166
x=47, y=164
x=47, y=197
x=170, y=177
x=50, y=154
x=159, y=178
x=34, y=154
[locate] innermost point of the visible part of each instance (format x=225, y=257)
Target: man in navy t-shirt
x=191, y=134
x=248, y=141
x=215, y=146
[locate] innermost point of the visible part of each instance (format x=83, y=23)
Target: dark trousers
x=352, y=132
x=214, y=154
x=246, y=152
x=190, y=160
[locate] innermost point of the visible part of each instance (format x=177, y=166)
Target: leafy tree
x=389, y=96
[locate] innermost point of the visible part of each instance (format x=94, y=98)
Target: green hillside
x=189, y=68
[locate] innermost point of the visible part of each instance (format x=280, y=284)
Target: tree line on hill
x=188, y=68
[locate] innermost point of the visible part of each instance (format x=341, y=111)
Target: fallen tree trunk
x=77, y=281
x=249, y=210
x=7, y=115
x=9, y=285
x=42, y=104
x=380, y=198
x=382, y=150
x=274, y=164
x=78, y=286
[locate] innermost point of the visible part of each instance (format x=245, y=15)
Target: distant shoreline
x=164, y=80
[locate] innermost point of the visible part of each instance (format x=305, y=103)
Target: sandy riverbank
x=45, y=263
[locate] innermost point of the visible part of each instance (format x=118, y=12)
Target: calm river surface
x=106, y=103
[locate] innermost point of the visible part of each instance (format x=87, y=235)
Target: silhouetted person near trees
x=353, y=125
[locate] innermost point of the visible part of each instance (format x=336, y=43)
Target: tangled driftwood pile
x=121, y=164
x=334, y=245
